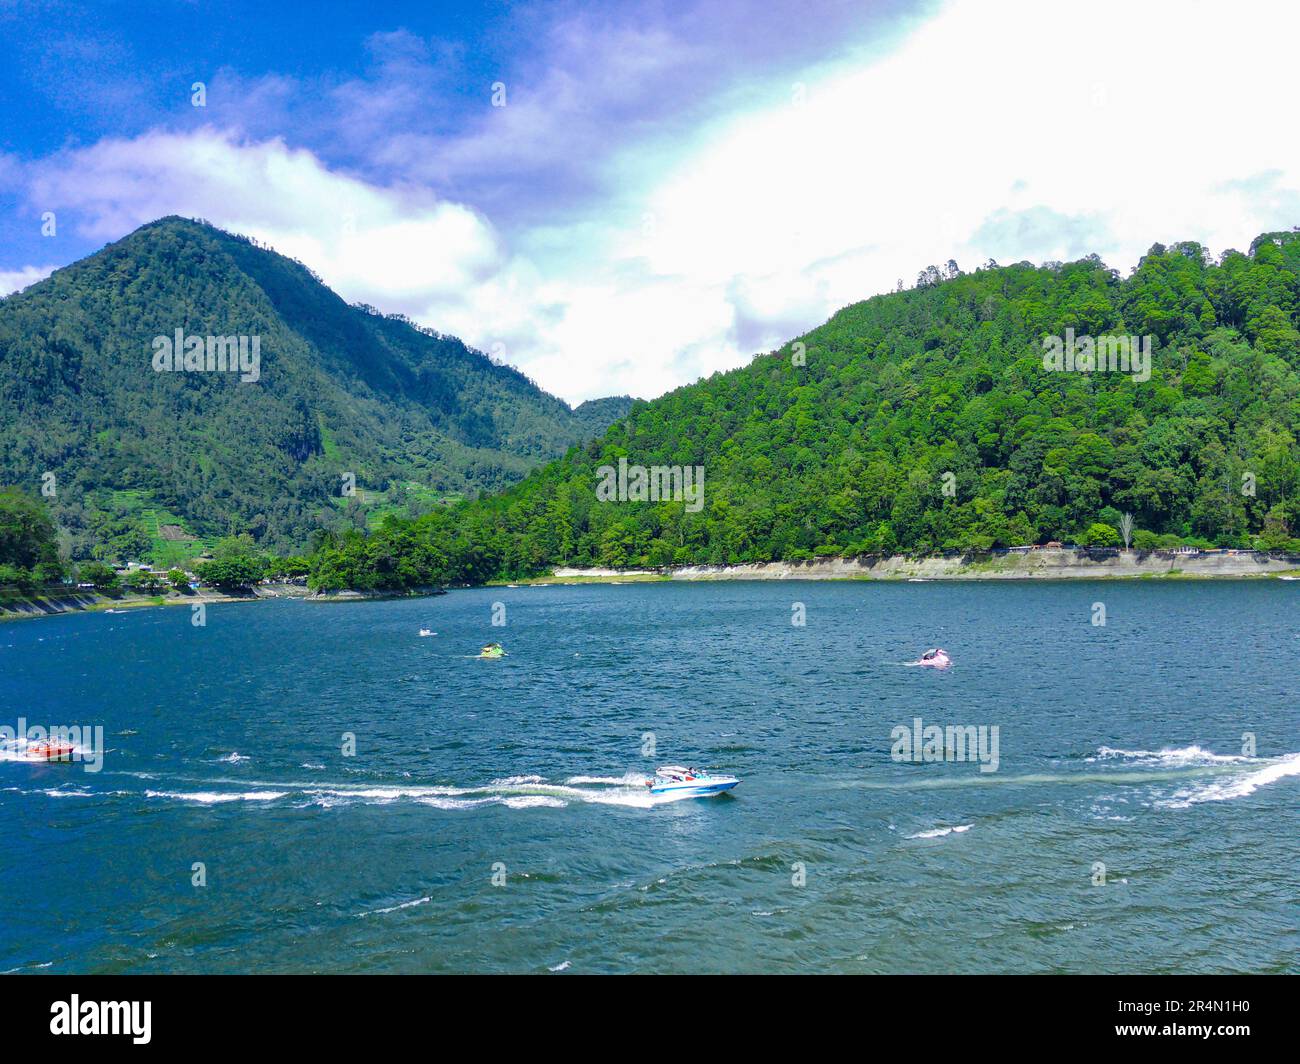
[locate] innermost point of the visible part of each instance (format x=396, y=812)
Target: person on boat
x=929, y=655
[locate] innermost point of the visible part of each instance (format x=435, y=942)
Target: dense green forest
x=842, y=442
x=29, y=546
x=159, y=465
x=30, y=560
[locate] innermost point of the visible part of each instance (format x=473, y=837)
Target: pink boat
x=935, y=659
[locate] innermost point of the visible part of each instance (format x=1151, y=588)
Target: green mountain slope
x=925, y=420
x=147, y=461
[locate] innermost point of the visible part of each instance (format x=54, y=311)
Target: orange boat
x=50, y=750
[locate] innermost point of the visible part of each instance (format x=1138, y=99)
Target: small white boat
x=689, y=782
x=424, y=632
x=934, y=659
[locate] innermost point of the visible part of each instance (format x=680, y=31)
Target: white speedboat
x=688, y=782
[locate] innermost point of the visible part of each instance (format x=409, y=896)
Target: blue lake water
x=1118, y=745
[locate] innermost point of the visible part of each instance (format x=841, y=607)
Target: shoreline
x=1041, y=564
x=18, y=609
x=95, y=602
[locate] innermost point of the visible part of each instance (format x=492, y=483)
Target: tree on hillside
x=230, y=574
x=1126, y=528
x=102, y=576
x=28, y=538
x=1099, y=535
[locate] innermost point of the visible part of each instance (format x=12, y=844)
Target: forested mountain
x=147, y=462
x=842, y=442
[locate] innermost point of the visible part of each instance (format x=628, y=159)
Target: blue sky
x=669, y=187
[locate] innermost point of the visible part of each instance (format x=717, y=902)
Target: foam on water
x=376, y=794
x=629, y=779
x=533, y=801
x=1186, y=755
x=938, y=833
x=395, y=908
x=1222, y=790
x=26, y=967
x=454, y=804
x=512, y=792
x=1132, y=767
x=1209, y=777
x=217, y=797
x=58, y=792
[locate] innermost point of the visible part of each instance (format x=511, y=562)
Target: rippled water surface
x=1118, y=746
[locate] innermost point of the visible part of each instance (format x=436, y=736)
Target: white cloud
x=1023, y=129
x=1016, y=130
x=1012, y=131
x=380, y=245
x=17, y=280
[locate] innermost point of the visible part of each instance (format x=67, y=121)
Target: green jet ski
x=492, y=651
